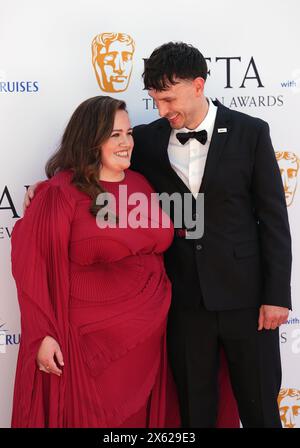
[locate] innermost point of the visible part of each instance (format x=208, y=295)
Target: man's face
x=289, y=171
x=289, y=411
x=114, y=66
x=179, y=103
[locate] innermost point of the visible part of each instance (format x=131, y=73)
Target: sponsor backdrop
x=56, y=54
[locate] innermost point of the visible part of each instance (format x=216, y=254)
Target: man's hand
x=271, y=317
x=29, y=195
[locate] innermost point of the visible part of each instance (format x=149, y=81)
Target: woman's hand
x=48, y=351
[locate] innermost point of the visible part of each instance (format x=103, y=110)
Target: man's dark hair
x=170, y=61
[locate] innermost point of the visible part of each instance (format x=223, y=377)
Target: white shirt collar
x=207, y=124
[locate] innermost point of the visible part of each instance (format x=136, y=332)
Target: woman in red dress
x=94, y=298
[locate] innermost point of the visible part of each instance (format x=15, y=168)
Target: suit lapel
x=217, y=145
x=161, y=149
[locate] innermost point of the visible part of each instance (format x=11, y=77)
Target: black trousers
x=194, y=340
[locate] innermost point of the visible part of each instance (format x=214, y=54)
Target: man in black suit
x=231, y=287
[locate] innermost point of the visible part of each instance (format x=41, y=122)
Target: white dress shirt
x=188, y=160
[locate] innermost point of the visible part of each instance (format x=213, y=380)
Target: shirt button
x=199, y=247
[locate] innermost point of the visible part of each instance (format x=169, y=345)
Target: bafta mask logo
x=289, y=164
x=113, y=60
x=289, y=407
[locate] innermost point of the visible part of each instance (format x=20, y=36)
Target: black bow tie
x=201, y=136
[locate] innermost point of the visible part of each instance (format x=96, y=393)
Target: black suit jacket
x=244, y=256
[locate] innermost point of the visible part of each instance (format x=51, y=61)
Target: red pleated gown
x=104, y=295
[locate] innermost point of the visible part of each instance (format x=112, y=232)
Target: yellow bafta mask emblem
x=289, y=407
x=112, y=56
x=289, y=166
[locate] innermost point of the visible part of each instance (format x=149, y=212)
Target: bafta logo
x=112, y=57
x=289, y=166
x=289, y=407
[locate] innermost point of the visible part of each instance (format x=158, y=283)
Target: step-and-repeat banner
x=53, y=55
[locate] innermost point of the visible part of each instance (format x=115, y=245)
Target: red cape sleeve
x=40, y=266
